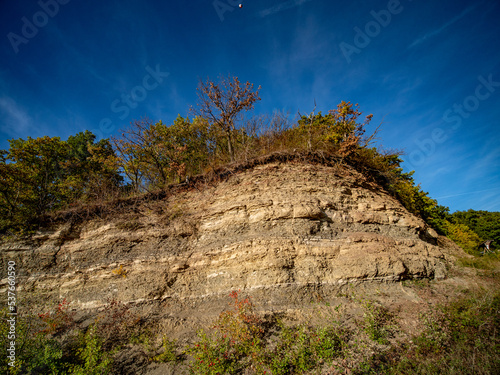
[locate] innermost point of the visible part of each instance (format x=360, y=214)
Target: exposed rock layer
x=281, y=232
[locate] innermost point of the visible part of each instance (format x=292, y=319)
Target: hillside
x=285, y=234
x=121, y=256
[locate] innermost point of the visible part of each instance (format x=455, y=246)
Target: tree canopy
x=220, y=103
x=45, y=174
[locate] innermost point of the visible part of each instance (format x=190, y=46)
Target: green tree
x=463, y=236
x=45, y=174
x=418, y=202
x=91, y=170
x=36, y=166
x=339, y=126
x=195, y=140
x=142, y=154
x=485, y=223
x=153, y=154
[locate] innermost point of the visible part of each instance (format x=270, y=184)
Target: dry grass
x=106, y=210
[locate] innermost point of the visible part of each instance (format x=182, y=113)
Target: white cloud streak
x=281, y=7
x=470, y=192
x=442, y=28
x=15, y=121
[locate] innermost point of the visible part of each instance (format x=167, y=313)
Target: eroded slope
x=281, y=232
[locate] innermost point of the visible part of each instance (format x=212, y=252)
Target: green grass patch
x=486, y=262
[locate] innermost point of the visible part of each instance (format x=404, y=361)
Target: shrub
x=237, y=335
x=459, y=338
x=169, y=351
x=376, y=322
x=293, y=352
x=36, y=351
x=47, y=343
x=214, y=355
x=488, y=262
x=58, y=320
x=485, y=224
x=94, y=361
x=463, y=237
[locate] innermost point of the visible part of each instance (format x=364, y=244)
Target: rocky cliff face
x=283, y=233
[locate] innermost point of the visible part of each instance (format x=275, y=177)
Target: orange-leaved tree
x=222, y=102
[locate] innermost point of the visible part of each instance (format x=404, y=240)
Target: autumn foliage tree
x=91, y=168
x=153, y=155
x=142, y=155
x=339, y=130
x=221, y=103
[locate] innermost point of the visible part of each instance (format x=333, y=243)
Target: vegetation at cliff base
x=460, y=336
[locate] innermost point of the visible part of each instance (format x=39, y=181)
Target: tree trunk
x=230, y=146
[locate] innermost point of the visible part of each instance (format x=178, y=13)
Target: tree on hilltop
x=339, y=130
x=220, y=103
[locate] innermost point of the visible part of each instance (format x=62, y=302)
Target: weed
x=59, y=320
x=293, y=351
x=459, y=338
x=120, y=271
x=416, y=283
x=487, y=262
x=94, y=361
x=117, y=325
x=237, y=335
x=169, y=351
x=376, y=319
x=214, y=355
x=177, y=210
x=35, y=352
x=329, y=342
x=241, y=324
x=39, y=350
x=129, y=225
x=300, y=349
x=143, y=338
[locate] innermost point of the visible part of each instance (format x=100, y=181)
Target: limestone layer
x=278, y=231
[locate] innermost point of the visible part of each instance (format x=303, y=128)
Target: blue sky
x=429, y=71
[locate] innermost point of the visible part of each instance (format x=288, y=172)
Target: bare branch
x=220, y=103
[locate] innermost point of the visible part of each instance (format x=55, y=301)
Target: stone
x=276, y=232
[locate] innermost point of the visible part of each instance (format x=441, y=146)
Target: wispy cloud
x=280, y=7
x=15, y=121
x=442, y=28
x=467, y=193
